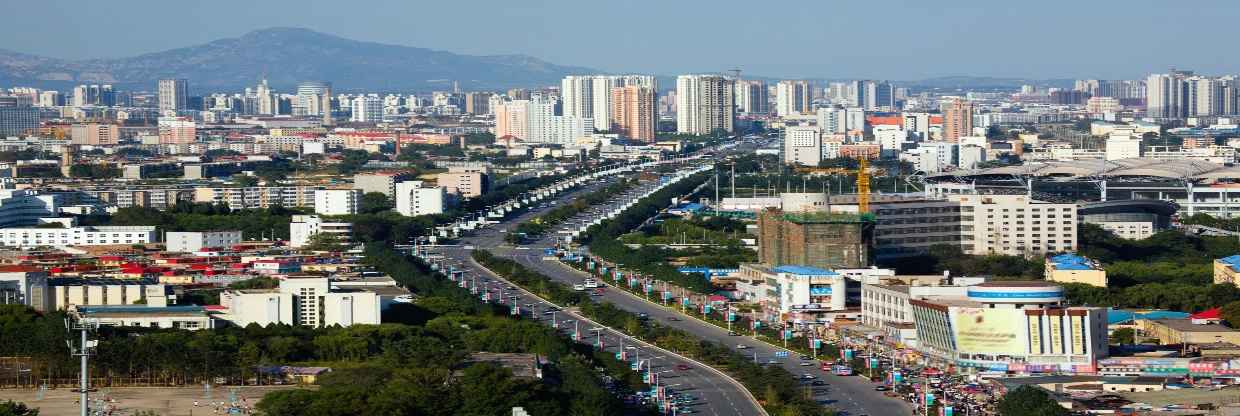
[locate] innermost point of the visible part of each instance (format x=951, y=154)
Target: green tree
x=1030, y=401
x=1124, y=336
x=325, y=242
x=1231, y=313
x=12, y=408
x=374, y=203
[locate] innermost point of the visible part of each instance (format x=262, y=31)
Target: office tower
x=957, y=118
x=478, y=103
x=634, y=112
x=792, y=98
x=752, y=97
x=268, y=103
x=879, y=96
x=177, y=130
x=367, y=109
x=1167, y=95
x=81, y=96
x=51, y=99
x=314, y=99
x=577, y=94
x=16, y=121
x=704, y=104
x=173, y=94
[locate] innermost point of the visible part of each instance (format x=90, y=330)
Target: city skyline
x=885, y=54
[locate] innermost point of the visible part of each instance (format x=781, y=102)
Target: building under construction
x=817, y=239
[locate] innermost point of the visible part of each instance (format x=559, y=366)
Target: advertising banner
x=995, y=331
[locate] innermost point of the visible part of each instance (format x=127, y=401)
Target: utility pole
x=83, y=350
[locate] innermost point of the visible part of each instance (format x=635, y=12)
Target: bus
x=841, y=370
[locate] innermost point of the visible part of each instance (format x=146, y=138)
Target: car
x=804, y=357
x=643, y=316
x=673, y=318
x=818, y=383
x=683, y=367
x=742, y=346
x=579, y=287
x=808, y=376
x=806, y=364
x=881, y=388
x=732, y=333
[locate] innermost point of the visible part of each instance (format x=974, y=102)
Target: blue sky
x=894, y=39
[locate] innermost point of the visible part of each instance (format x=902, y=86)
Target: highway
x=849, y=395
x=707, y=391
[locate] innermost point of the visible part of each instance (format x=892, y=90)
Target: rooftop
x=1026, y=283
x=804, y=270
x=1185, y=325
x=1071, y=262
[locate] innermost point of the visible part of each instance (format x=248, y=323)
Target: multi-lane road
x=701, y=388
x=714, y=393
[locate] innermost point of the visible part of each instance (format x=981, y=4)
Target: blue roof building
x=1071, y=268
x=1227, y=269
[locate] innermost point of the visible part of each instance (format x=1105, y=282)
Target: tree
x=12, y=408
x=374, y=203
x=1124, y=336
x=1030, y=401
x=1231, y=314
x=325, y=242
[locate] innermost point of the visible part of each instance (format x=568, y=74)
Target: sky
x=893, y=39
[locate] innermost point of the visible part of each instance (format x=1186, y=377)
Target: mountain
x=286, y=57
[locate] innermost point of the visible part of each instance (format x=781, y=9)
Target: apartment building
x=259, y=196
x=337, y=201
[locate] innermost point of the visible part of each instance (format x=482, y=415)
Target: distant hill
x=286, y=57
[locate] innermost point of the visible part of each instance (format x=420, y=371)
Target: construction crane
x=863, y=186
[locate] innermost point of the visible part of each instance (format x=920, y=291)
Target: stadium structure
x=1196, y=187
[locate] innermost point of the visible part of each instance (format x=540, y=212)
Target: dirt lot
x=166, y=401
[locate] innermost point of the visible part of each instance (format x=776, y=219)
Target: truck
x=841, y=370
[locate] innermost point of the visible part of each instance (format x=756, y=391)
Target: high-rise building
x=173, y=94
x=879, y=96
x=802, y=145
x=535, y=121
x=1167, y=95
x=792, y=98
x=94, y=134
x=577, y=95
x=314, y=99
x=478, y=103
x=51, y=99
x=1205, y=96
x=957, y=118
x=752, y=97
x=268, y=102
x=367, y=109
x=15, y=121
x=704, y=104
x=177, y=130
x=633, y=112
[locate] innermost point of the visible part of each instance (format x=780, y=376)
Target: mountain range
x=289, y=56
x=286, y=57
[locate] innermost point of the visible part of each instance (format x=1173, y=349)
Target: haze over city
x=901, y=40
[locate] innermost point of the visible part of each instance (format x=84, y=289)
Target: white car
x=579, y=287
x=742, y=346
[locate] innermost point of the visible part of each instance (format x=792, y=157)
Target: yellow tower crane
x=863, y=186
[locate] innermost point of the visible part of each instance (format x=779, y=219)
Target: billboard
x=995, y=331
